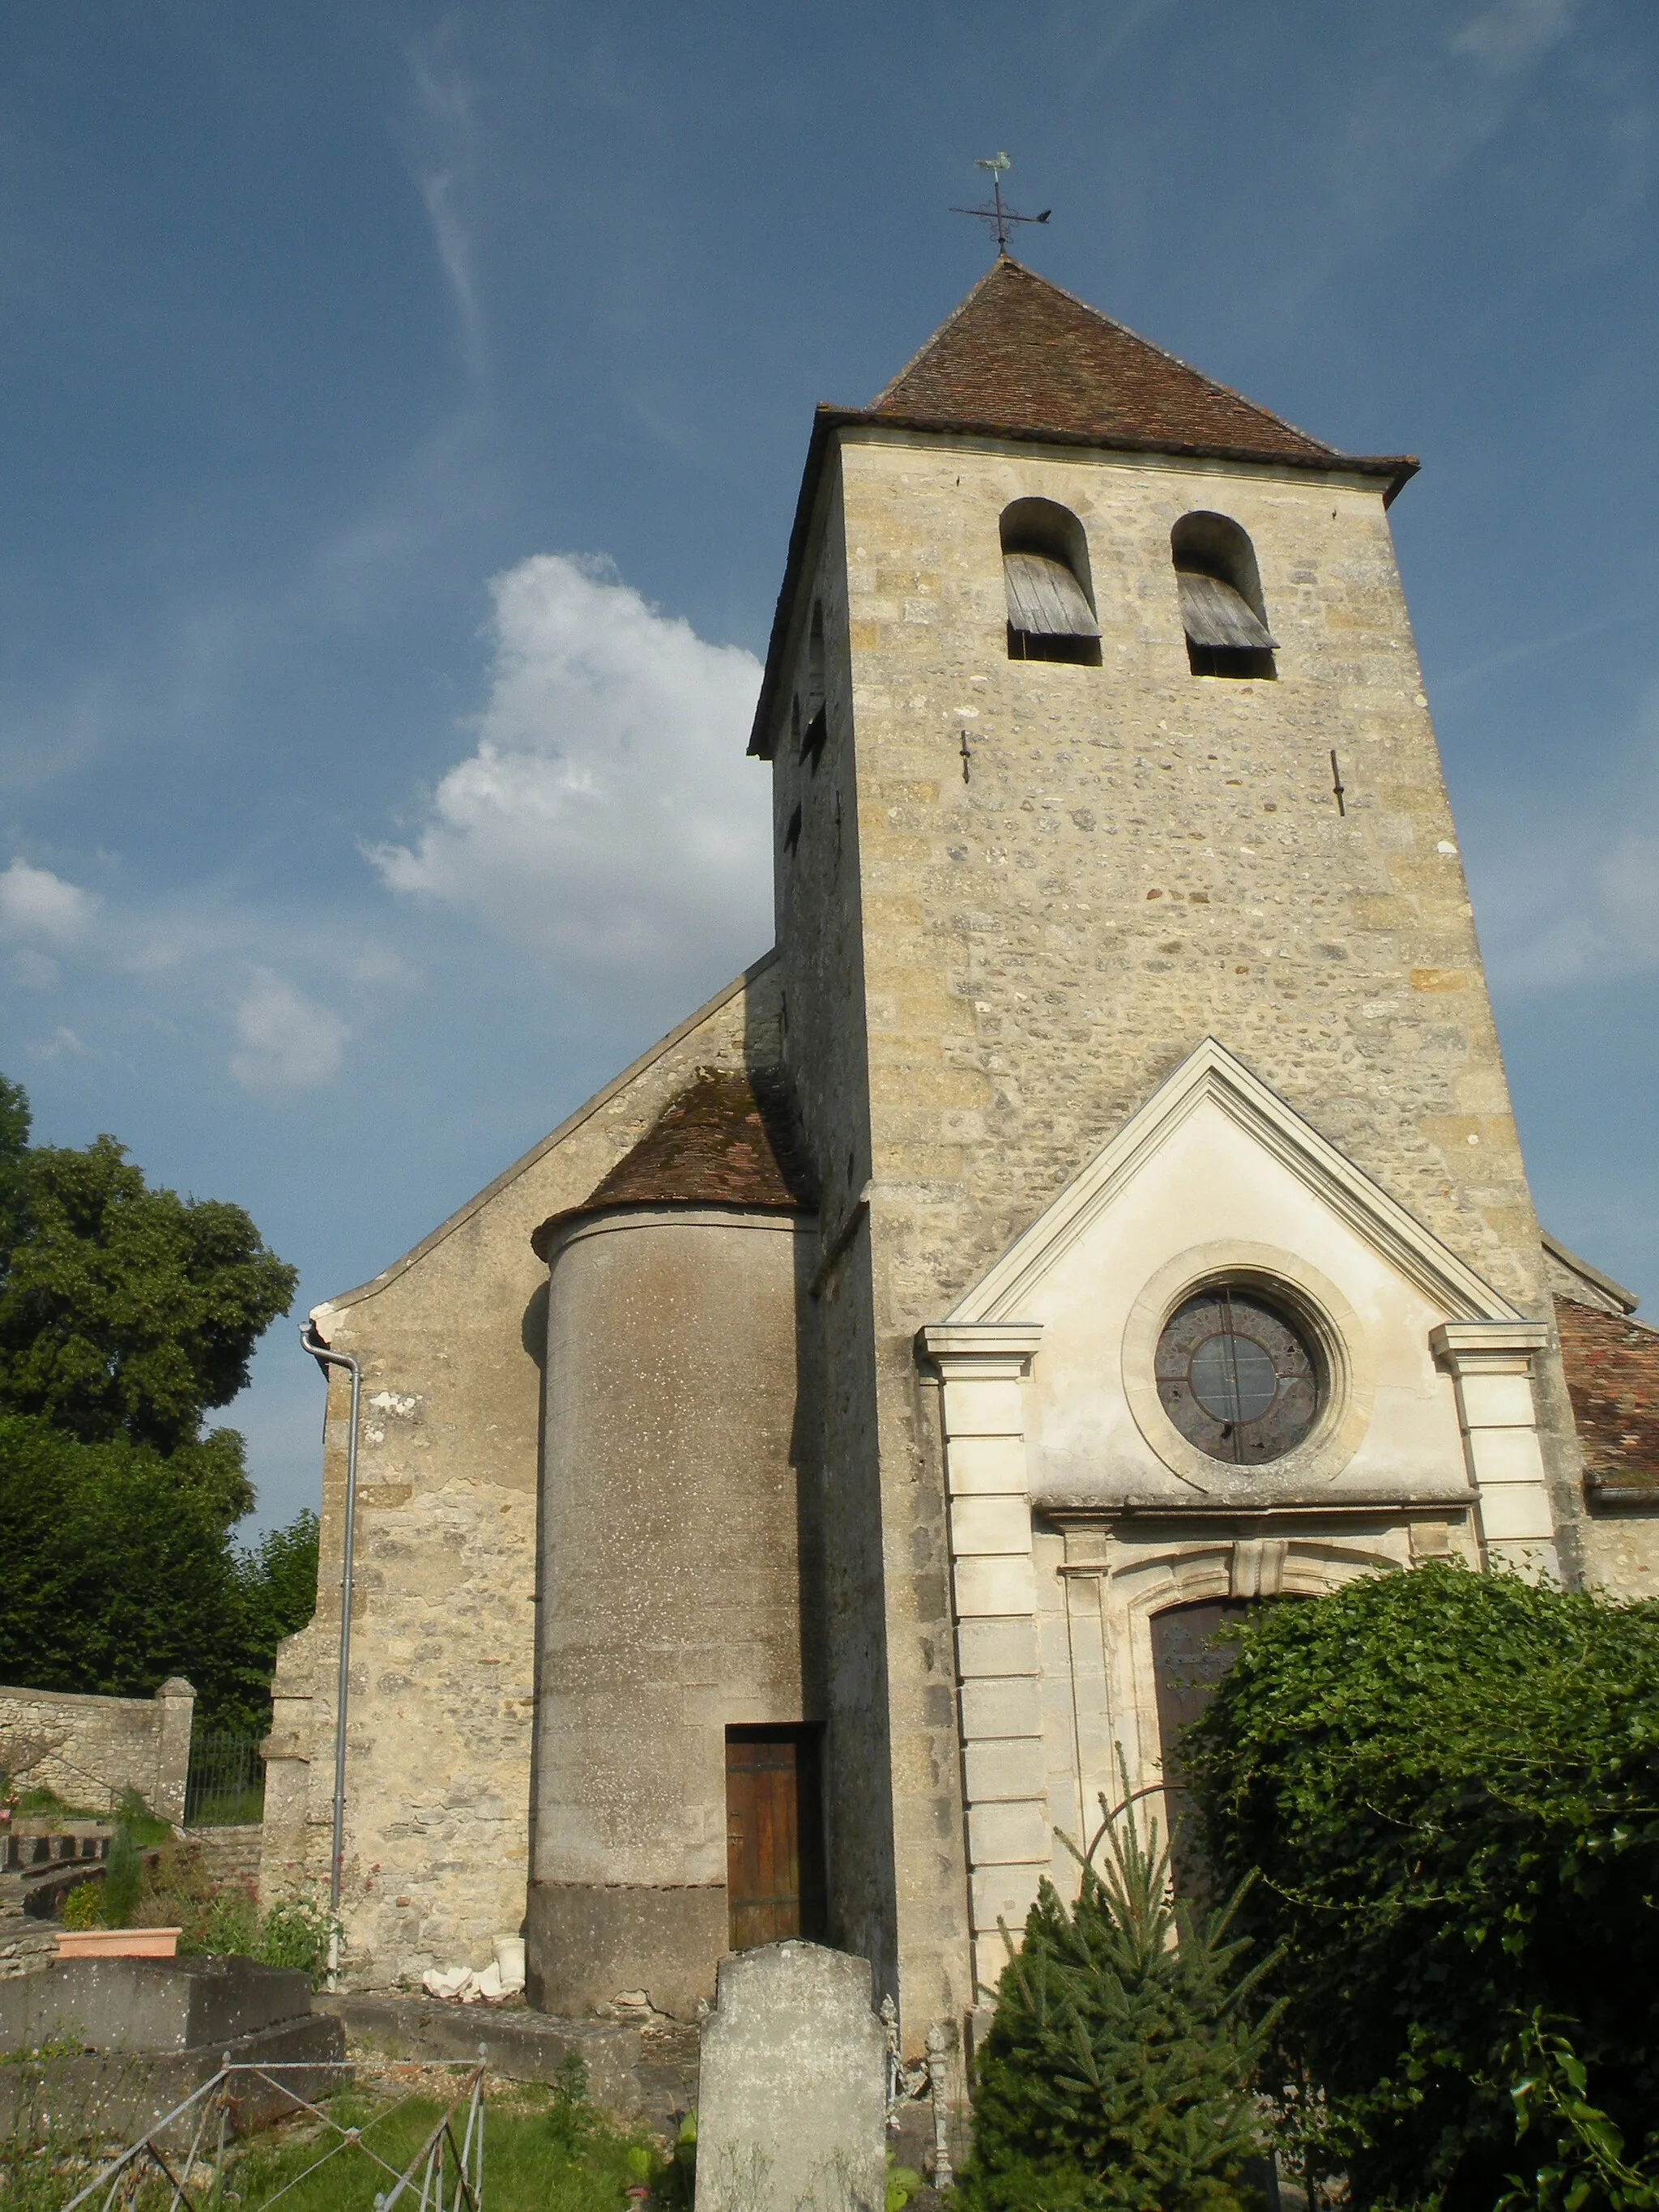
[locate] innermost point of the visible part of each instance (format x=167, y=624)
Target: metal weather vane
x=998, y=217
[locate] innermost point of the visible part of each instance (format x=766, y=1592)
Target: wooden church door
x=1187, y=1667
x=774, y=1835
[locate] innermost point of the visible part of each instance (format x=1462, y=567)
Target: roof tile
x=1022, y=353
x=713, y=1145
x=1612, y=1366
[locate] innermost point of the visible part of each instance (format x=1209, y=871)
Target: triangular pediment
x=1212, y=1078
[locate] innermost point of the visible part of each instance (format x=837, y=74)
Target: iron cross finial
x=992, y=212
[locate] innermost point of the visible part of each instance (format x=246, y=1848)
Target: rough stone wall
x=229, y=1854
x=819, y=923
x=1621, y=1550
x=1139, y=857
x=90, y=1749
x=451, y=1340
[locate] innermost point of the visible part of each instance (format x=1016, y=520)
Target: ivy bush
x=1449, y=1784
x=1116, y=2076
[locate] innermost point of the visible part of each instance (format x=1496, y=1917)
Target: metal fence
x=185, y=2150
x=226, y=1785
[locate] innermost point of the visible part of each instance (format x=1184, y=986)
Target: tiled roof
x=1020, y=352
x=712, y=1146
x=1612, y=1366
x=1021, y=359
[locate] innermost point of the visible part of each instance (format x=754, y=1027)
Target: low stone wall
x=91, y=1749
x=229, y=1854
x=27, y=1946
x=634, y=2071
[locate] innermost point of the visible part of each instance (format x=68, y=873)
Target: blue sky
x=402, y=415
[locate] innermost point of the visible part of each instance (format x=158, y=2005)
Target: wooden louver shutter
x=1215, y=614
x=1045, y=599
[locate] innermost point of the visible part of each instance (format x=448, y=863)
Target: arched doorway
x=1191, y=1654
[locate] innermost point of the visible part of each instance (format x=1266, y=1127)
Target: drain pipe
x=325, y=1359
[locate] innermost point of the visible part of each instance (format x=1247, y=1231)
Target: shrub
x=296, y=1933
x=124, y=1872
x=1448, y=1782
x=1578, y=2154
x=1117, y=2075
x=674, y=2181
x=84, y=1907
x=223, y=1919
x=230, y=1926
x=178, y=1892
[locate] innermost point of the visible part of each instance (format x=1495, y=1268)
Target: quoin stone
x=792, y=2111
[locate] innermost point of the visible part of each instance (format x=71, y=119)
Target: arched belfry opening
x=1045, y=576
x=1221, y=609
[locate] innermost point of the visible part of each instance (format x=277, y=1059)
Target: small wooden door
x=774, y=1835
x=1187, y=1665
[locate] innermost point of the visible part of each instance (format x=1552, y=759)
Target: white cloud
x=33, y=903
x=63, y=1044
x=289, y=1041
x=608, y=816
x=378, y=968
x=445, y=104
x=1514, y=34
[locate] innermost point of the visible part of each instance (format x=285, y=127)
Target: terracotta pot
x=118, y=1942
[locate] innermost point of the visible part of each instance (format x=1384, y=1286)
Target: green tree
x=115, y=1579
x=1117, y=2074
x=14, y=1121
x=276, y=1593
x=125, y=1314
x=1449, y=1783
x=127, y=1311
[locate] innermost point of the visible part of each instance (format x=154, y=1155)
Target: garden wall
x=90, y=1749
x=229, y=1854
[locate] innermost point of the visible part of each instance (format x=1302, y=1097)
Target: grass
x=534, y=2159
x=545, y=2150
x=228, y=1808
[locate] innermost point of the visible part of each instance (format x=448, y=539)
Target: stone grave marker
x=791, y=2106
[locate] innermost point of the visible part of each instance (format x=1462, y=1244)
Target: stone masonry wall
x=439, y=1742
x=820, y=939
x=1139, y=858
x=90, y=1749
x=229, y=1854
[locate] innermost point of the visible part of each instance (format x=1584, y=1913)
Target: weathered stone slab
x=114, y=2096
x=634, y=2071
x=149, y=2004
x=793, y=2107
x=102, y=2049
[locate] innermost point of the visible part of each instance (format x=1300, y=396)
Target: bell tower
x=1098, y=736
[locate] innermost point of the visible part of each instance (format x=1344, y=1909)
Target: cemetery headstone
x=792, y=2106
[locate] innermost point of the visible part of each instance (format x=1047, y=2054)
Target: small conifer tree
x=123, y=1874
x=1117, y=2074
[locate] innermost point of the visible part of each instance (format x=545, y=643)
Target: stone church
x=784, y=1492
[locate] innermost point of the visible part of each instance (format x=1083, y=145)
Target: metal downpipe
x=324, y=1358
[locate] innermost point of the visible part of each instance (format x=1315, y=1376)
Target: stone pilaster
x=1491, y=1362
x=175, y=1722
x=982, y=1366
